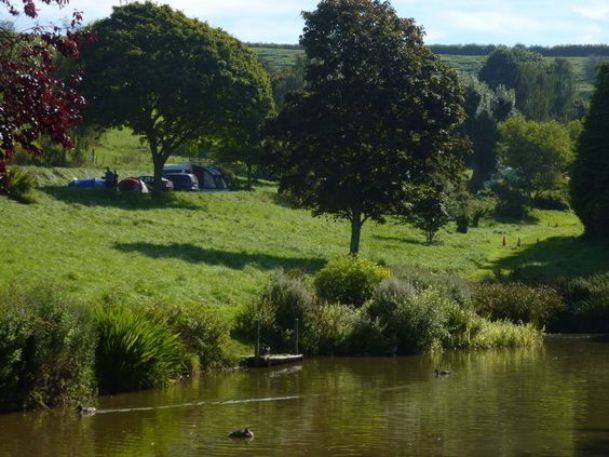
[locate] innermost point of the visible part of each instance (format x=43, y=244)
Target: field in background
x=465, y=65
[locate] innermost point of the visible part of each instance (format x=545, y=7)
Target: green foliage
x=46, y=348
x=349, y=280
x=587, y=299
x=429, y=215
x=589, y=185
x=134, y=351
x=512, y=203
x=485, y=107
x=331, y=330
x=340, y=145
x=201, y=332
x=539, y=152
x=517, y=302
x=21, y=185
x=174, y=80
x=412, y=322
x=448, y=285
x=285, y=299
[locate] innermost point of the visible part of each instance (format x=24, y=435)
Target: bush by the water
x=517, y=302
x=134, y=350
x=46, y=348
x=416, y=311
x=285, y=298
x=587, y=304
x=349, y=280
x=203, y=334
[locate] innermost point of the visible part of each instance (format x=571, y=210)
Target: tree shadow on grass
x=122, y=200
x=557, y=257
x=235, y=260
x=400, y=239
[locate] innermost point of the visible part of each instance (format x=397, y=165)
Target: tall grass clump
x=20, y=185
x=517, y=302
x=46, y=348
x=349, y=280
x=134, y=350
x=505, y=334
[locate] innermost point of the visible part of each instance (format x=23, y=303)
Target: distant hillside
x=467, y=59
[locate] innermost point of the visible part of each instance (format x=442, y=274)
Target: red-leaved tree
x=34, y=99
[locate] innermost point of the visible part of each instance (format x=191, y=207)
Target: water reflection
x=546, y=401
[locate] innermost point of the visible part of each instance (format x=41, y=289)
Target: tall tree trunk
x=356, y=230
x=157, y=187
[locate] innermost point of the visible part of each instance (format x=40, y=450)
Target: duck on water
x=244, y=433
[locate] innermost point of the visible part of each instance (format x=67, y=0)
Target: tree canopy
x=539, y=152
x=34, y=100
x=589, y=183
x=173, y=80
x=376, y=118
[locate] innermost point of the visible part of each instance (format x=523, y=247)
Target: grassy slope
x=218, y=248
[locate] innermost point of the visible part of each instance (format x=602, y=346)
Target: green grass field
x=218, y=248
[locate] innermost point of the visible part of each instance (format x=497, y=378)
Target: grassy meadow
x=218, y=248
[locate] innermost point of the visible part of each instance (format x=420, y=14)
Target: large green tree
x=485, y=107
x=589, y=183
x=376, y=118
x=539, y=152
x=172, y=80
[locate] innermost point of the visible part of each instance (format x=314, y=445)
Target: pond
x=548, y=401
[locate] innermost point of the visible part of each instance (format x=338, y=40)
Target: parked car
x=183, y=181
x=167, y=184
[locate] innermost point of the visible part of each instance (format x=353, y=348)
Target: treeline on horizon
x=563, y=50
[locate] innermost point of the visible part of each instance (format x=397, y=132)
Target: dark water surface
x=550, y=401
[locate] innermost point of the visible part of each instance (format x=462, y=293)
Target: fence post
x=296, y=339
x=257, y=348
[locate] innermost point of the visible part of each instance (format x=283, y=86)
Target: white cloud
x=596, y=10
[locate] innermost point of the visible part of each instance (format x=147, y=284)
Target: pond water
x=548, y=401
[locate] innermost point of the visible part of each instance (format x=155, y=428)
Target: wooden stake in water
x=296, y=337
x=257, y=348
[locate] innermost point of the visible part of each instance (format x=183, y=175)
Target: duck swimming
x=437, y=372
x=244, y=433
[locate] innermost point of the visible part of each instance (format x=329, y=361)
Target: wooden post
x=257, y=348
x=296, y=339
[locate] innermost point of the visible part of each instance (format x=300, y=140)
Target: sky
x=530, y=22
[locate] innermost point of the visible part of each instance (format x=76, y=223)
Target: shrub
x=448, y=285
x=349, y=280
x=517, y=302
x=511, y=202
x=134, y=351
x=552, y=201
x=46, y=348
x=412, y=323
x=201, y=332
x=588, y=303
x=20, y=185
x=331, y=330
x=283, y=300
